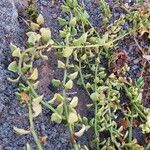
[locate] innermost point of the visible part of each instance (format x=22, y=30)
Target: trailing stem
x=66, y=106
x=34, y=134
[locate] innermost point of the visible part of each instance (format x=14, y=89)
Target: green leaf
x=65, y=9
x=56, y=118
x=73, y=22
x=84, y=57
x=16, y=53
x=36, y=106
x=14, y=80
x=28, y=146
x=81, y=132
x=62, y=21
x=59, y=108
x=61, y=64
x=45, y=34
x=45, y=57
x=83, y=38
x=67, y=52
x=69, y=84
x=94, y=96
x=34, y=75
x=56, y=83
x=32, y=39
x=73, y=75
x=13, y=67
x=13, y=47
x=40, y=19
x=21, y=131
x=140, y=82
x=57, y=97
x=73, y=117
x=34, y=26
x=74, y=102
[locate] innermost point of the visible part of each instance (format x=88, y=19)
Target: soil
x=12, y=113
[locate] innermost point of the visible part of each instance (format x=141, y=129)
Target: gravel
x=11, y=112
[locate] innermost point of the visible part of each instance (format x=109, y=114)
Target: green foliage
x=81, y=52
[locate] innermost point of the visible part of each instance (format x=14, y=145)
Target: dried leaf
x=43, y=139
x=24, y=97
x=123, y=123
x=147, y=57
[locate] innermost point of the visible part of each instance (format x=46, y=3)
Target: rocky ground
x=12, y=29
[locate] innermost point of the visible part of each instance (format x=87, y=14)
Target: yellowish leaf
x=69, y=84
x=40, y=19
x=21, y=131
x=73, y=75
x=74, y=102
x=73, y=117
x=34, y=75
x=56, y=118
x=36, y=106
x=67, y=52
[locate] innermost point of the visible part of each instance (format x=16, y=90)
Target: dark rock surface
x=11, y=112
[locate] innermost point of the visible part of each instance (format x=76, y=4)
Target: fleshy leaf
x=69, y=84
x=34, y=75
x=36, y=106
x=73, y=117
x=56, y=118
x=73, y=21
x=61, y=64
x=40, y=19
x=56, y=83
x=73, y=75
x=28, y=146
x=81, y=132
x=45, y=34
x=67, y=52
x=34, y=26
x=13, y=67
x=16, y=53
x=74, y=102
x=21, y=131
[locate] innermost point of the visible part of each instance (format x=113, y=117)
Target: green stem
x=96, y=110
x=80, y=46
x=33, y=130
x=46, y=104
x=130, y=128
x=82, y=78
x=66, y=106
